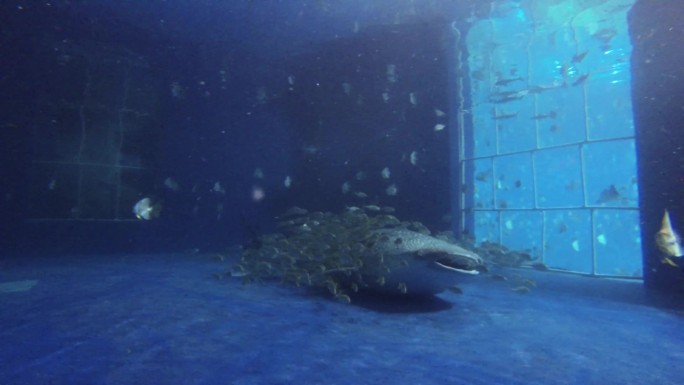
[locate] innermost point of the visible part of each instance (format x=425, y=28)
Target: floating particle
x=439, y=113
x=385, y=97
x=509, y=225
x=17, y=286
x=258, y=173
x=258, y=194
x=392, y=190
x=518, y=183
x=439, y=127
x=391, y=73
x=482, y=176
x=385, y=173
x=287, y=182
x=346, y=187
x=413, y=98
x=360, y=175
x=521, y=289
x=413, y=158
x=218, y=188
x=346, y=87
x=291, y=80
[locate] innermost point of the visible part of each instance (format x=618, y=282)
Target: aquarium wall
x=93, y=135
x=548, y=159
x=81, y=128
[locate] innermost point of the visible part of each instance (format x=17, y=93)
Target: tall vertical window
x=549, y=163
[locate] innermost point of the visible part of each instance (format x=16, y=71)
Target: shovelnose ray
x=358, y=249
x=431, y=264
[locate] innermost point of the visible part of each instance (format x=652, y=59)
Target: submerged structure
x=548, y=155
x=544, y=135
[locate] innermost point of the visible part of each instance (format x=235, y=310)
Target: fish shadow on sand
x=390, y=303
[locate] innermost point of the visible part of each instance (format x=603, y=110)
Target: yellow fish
x=667, y=239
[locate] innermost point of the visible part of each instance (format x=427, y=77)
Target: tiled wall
x=549, y=163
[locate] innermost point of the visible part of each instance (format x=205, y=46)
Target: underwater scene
x=277, y=192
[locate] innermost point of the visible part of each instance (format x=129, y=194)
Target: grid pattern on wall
x=549, y=163
x=91, y=135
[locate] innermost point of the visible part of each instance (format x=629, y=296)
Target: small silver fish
x=413, y=158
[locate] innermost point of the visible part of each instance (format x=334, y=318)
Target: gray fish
x=504, y=116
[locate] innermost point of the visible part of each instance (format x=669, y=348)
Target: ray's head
x=461, y=261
